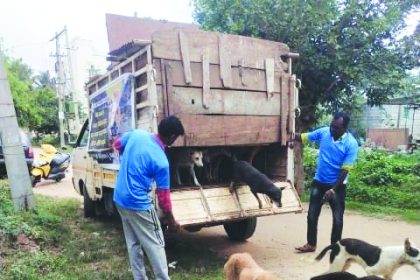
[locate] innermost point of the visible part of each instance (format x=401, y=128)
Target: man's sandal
x=306, y=249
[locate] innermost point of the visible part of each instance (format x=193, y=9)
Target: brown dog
x=241, y=266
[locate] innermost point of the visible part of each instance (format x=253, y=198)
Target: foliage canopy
x=34, y=97
x=347, y=48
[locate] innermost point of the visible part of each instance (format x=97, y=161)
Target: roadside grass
x=407, y=215
x=382, y=212
x=382, y=184
x=70, y=246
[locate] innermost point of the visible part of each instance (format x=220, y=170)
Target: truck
x=235, y=95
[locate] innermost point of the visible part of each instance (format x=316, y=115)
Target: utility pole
x=73, y=88
x=59, y=84
x=92, y=71
x=17, y=170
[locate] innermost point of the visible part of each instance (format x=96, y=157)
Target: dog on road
x=375, y=260
x=243, y=171
x=241, y=266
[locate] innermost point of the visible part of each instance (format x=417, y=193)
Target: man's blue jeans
x=337, y=205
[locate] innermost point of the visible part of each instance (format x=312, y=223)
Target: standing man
x=337, y=155
x=143, y=160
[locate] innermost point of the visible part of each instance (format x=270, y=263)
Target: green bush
x=47, y=139
x=310, y=156
x=379, y=178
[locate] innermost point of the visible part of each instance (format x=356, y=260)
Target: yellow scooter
x=49, y=164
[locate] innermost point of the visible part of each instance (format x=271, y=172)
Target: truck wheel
x=88, y=205
x=193, y=228
x=108, y=202
x=241, y=230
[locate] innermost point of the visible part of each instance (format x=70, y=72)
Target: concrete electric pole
x=73, y=88
x=60, y=82
x=17, y=170
x=65, y=86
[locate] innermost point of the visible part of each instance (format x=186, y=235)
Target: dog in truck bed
x=186, y=158
x=243, y=171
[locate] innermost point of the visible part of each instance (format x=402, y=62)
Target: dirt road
x=63, y=189
x=275, y=238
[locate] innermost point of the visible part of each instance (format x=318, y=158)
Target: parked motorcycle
x=49, y=164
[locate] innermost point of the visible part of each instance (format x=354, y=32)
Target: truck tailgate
x=215, y=204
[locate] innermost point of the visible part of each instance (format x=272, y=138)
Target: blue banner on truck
x=112, y=114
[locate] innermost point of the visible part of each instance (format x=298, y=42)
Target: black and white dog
x=344, y=276
x=375, y=260
x=243, y=171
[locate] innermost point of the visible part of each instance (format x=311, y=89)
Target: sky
x=26, y=27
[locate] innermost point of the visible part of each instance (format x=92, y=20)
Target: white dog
x=375, y=260
x=187, y=158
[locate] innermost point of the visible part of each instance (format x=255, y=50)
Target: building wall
x=393, y=116
x=123, y=29
x=388, y=138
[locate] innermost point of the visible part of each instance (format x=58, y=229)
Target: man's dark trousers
x=337, y=205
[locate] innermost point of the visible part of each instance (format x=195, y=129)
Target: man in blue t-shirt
x=143, y=161
x=337, y=155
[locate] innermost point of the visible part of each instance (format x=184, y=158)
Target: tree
x=44, y=80
x=348, y=48
x=47, y=104
x=19, y=76
x=47, y=111
x=34, y=97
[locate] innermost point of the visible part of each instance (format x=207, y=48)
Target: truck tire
x=88, y=205
x=108, y=203
x=193, y=228
x=241, y=230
